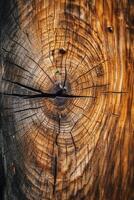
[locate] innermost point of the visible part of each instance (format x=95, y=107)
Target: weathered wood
x=67, y=80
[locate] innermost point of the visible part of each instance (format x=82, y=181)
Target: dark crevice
x=46, y=95
x=55, y=174
x=40, y=68
x=18, y=44
x=94, y=67
x=115, y=92
x=73, y=137
x=27, y=117
x=24, y=86
x=93, y=86
x=59, y=124
x=12, y=63
x=28, y=109
x=64, y=84
x=34, y=62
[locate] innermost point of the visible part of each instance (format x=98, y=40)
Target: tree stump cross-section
x=67, y=106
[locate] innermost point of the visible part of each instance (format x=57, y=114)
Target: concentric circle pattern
x=62, y=98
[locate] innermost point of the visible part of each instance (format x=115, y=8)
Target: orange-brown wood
x=67, y=80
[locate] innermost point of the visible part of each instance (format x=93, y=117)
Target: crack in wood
x=46, y=95
x=55, y=174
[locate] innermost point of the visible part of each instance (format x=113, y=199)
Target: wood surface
x=67, y=99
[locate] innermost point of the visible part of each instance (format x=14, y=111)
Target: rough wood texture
x=67, y=78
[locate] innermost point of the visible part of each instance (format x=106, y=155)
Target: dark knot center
x=60, y=91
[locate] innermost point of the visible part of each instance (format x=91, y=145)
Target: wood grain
x=67, y=105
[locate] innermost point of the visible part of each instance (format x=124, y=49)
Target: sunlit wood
x=67, y=78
